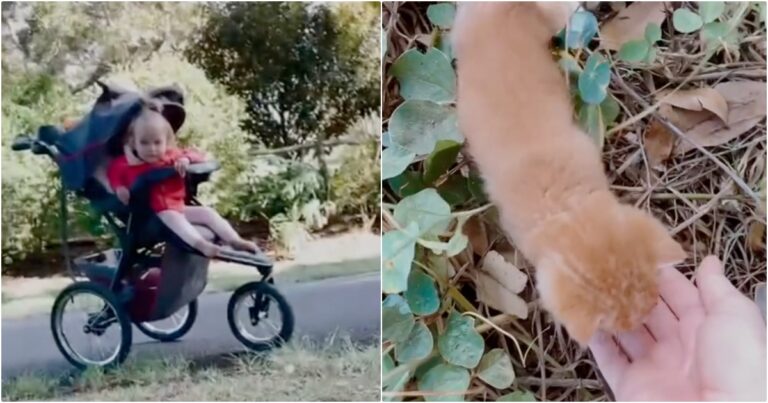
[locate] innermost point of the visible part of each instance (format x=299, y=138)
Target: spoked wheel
x=172, y=327
x=90, y=326
x=259, y=316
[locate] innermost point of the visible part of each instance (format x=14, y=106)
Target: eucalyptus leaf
x=461, y=344
x=397, y=253
x=442, y=157
x=416, y=346
x=455, y=190
x=396, y=318
x=425, y=76
x=716, y=34
x=442, y=14
x=710, y=10
x=407, y=183
x=634, y=51
x=591, y=120
x=426, y=366
x=426, y=209
x=397, y=385
x=418, y=125
x=686, y=21
x=394, y=160
x=422, y=294
x=593, y=81
x=495, y=368
x=386, y=140
x=387, y=364
x=610, y=110
x=651, y=56
x=445, y=378
x=582, y=27
x=652, y=33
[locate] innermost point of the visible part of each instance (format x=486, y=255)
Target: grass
x=693, y=195
x=299, y=372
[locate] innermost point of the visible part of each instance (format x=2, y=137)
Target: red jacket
x=166, y=195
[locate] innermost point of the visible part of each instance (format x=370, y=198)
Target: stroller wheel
x=259, y=316
x=90, y=326
x=172, y=327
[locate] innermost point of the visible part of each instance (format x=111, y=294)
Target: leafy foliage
x=305, y=72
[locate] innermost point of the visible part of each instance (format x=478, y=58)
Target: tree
x=304, y=73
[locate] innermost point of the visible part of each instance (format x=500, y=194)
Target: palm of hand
x=697, y=344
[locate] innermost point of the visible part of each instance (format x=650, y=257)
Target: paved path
x=349, y=306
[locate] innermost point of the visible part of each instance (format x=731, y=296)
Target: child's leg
x=179, y=224
x=211, y=219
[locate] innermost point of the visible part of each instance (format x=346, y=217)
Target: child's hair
x=151, y=117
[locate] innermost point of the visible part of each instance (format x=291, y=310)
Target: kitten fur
x=596, y=259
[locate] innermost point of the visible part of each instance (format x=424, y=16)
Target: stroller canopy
x=83, y=148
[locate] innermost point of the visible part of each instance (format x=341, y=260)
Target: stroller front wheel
x=90, y=326
x=259, y=316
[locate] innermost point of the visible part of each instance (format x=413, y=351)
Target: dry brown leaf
x=756, y=236
x=630, y=23
x=698, y=99
x=658, y=144
x=683, y=119
x=499, y=282
x=475, y=230
x=746, y=108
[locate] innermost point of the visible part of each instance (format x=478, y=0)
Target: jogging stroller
x=153, y=279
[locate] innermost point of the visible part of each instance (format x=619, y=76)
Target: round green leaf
x=461, y=344
x=634, y=51
x=422, y=293
x=442, y=157
x=416, y=346
x=426, y=366
x=397, y=252
x=517, y=396
x=407, y=183
x=387, y=364
x=396, y=318
x=426, y=209
x=652, y=33
x=419, y=125
x=386, y=140
x=591, y=120
x=716, y=34
x=445, y=378
x=582, y=27
x=394, y=160
x=496, y=369
x=455, y=190
x=710, y=10
x=441, y=14
x=425, y=76
x=395, y=385
x=610, y=110
x=456, y=244
x=686, y=21
x=651, y=56
x=593, y=81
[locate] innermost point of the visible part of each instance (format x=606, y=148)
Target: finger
x=678, y=292
x=717, y=293
x=608, y=357
x=636, y=343
x=661, y=323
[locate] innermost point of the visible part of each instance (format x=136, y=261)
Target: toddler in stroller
x=154, y=277
x=151, y=143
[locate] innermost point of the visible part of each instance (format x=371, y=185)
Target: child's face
x=150, y=145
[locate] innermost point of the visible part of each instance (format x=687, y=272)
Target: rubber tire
x=285, y=310
x=184, y=329
x=122, y=317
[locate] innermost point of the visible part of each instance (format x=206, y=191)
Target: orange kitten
x=596, y=259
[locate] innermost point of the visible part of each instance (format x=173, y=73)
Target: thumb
x=717, y=294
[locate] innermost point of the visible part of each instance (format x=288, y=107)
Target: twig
x=677, y=132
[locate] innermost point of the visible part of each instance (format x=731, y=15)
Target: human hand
x=699, y=343
x=181, y=165
x=123, y=194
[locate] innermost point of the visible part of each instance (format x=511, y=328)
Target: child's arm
x=117, y=180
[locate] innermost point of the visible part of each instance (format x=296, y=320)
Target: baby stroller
x=153, y=279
